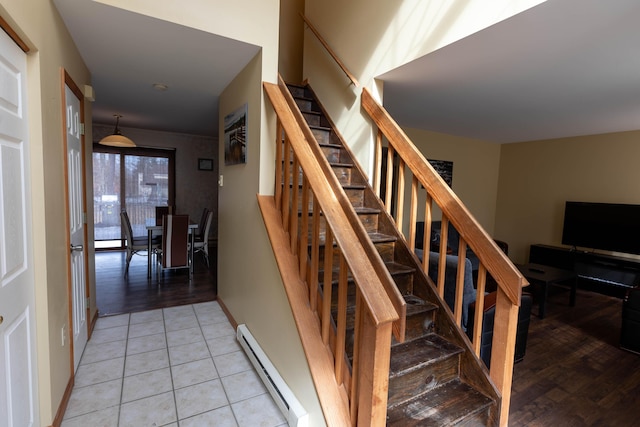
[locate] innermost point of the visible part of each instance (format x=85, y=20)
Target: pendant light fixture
x=117, y=139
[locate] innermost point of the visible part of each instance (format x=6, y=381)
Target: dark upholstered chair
x=175, y=242
x=630, y=331
x=488, y=317
x=161, y=211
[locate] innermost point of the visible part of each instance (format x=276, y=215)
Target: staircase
x=434, y=377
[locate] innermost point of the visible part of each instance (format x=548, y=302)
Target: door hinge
x=81, y=128
x=84, y=217
x=88, y=302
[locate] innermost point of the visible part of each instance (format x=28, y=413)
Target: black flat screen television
x=606, y=226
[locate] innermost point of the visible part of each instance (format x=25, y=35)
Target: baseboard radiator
x=282, y=395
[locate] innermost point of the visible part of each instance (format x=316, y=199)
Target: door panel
x=76, y=226
x=18, y=378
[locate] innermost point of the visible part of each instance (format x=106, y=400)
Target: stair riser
x=343, y=174
x=323, y=136
x=384, y=249
x=370, y=222
x=332, y=153
x=300, y=92
x=404, y=283
x=312, y=119
x=404, y=387
x=355, y=196
x=306, y=105
x=419, y=324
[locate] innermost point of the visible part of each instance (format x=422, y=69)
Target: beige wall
x=291, y=38
x=249, y=283
x=475, y=170
x=52, y=49
x=372, y=37
x=536, y=178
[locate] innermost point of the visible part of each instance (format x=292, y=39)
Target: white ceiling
x=563, y=68
x=127, y=53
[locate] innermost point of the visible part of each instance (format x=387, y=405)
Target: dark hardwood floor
x=574, y=373
x=116, y=294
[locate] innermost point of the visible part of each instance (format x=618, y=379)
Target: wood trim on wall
x=14, y=36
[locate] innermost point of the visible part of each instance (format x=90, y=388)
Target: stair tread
x=360, y=210
x=330, y=145
x=382, y=238
x=354, y=186
x=319, y=127
x=416, y=305
x=394, y=269
x=446, y=405
x=342, y=165
x=411, y=355
x=366, y=210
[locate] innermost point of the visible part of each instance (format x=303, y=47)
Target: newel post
x=504, y=343
x=372, y=381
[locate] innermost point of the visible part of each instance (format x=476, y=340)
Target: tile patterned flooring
x=178, y=366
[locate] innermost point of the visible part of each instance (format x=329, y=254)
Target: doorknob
x=1, y=320
x=76, y=248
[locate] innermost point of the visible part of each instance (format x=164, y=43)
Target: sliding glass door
x=136, y=180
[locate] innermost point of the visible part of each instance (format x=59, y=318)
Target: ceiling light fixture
x=117, y=139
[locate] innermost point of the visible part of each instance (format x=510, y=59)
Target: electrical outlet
x=221, y=181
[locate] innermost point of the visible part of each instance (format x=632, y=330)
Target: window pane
x=146, y=186
x=106, y=196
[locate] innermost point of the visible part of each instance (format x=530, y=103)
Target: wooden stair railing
x=333, y=55
x=492, y=260
x=303, y=185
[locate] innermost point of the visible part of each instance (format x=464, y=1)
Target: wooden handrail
x=497, y=263
x=375, y=315
x=330, y=51
x=492, y=259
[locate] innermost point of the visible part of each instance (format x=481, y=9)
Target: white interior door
x=76, y=226
x=18, y=373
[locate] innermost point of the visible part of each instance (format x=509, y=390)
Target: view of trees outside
x=144, y=181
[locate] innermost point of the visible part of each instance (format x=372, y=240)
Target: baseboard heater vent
x=283, y=396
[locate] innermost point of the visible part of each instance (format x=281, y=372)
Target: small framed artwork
x=205, y=164
x=235, y=136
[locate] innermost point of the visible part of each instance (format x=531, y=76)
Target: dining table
x=153, y=228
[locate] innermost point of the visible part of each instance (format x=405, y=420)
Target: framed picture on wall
x=205, y=164
x=235, y=137
x=444, y=168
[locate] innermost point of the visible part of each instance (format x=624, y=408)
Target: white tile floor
x=179, y=366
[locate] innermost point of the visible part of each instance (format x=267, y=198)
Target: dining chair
x=134, y=245
x=161, y=211
x=202, y=223
x=201, y=241
x=174, y=253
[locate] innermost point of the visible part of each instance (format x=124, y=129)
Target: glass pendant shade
x=117, y=139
